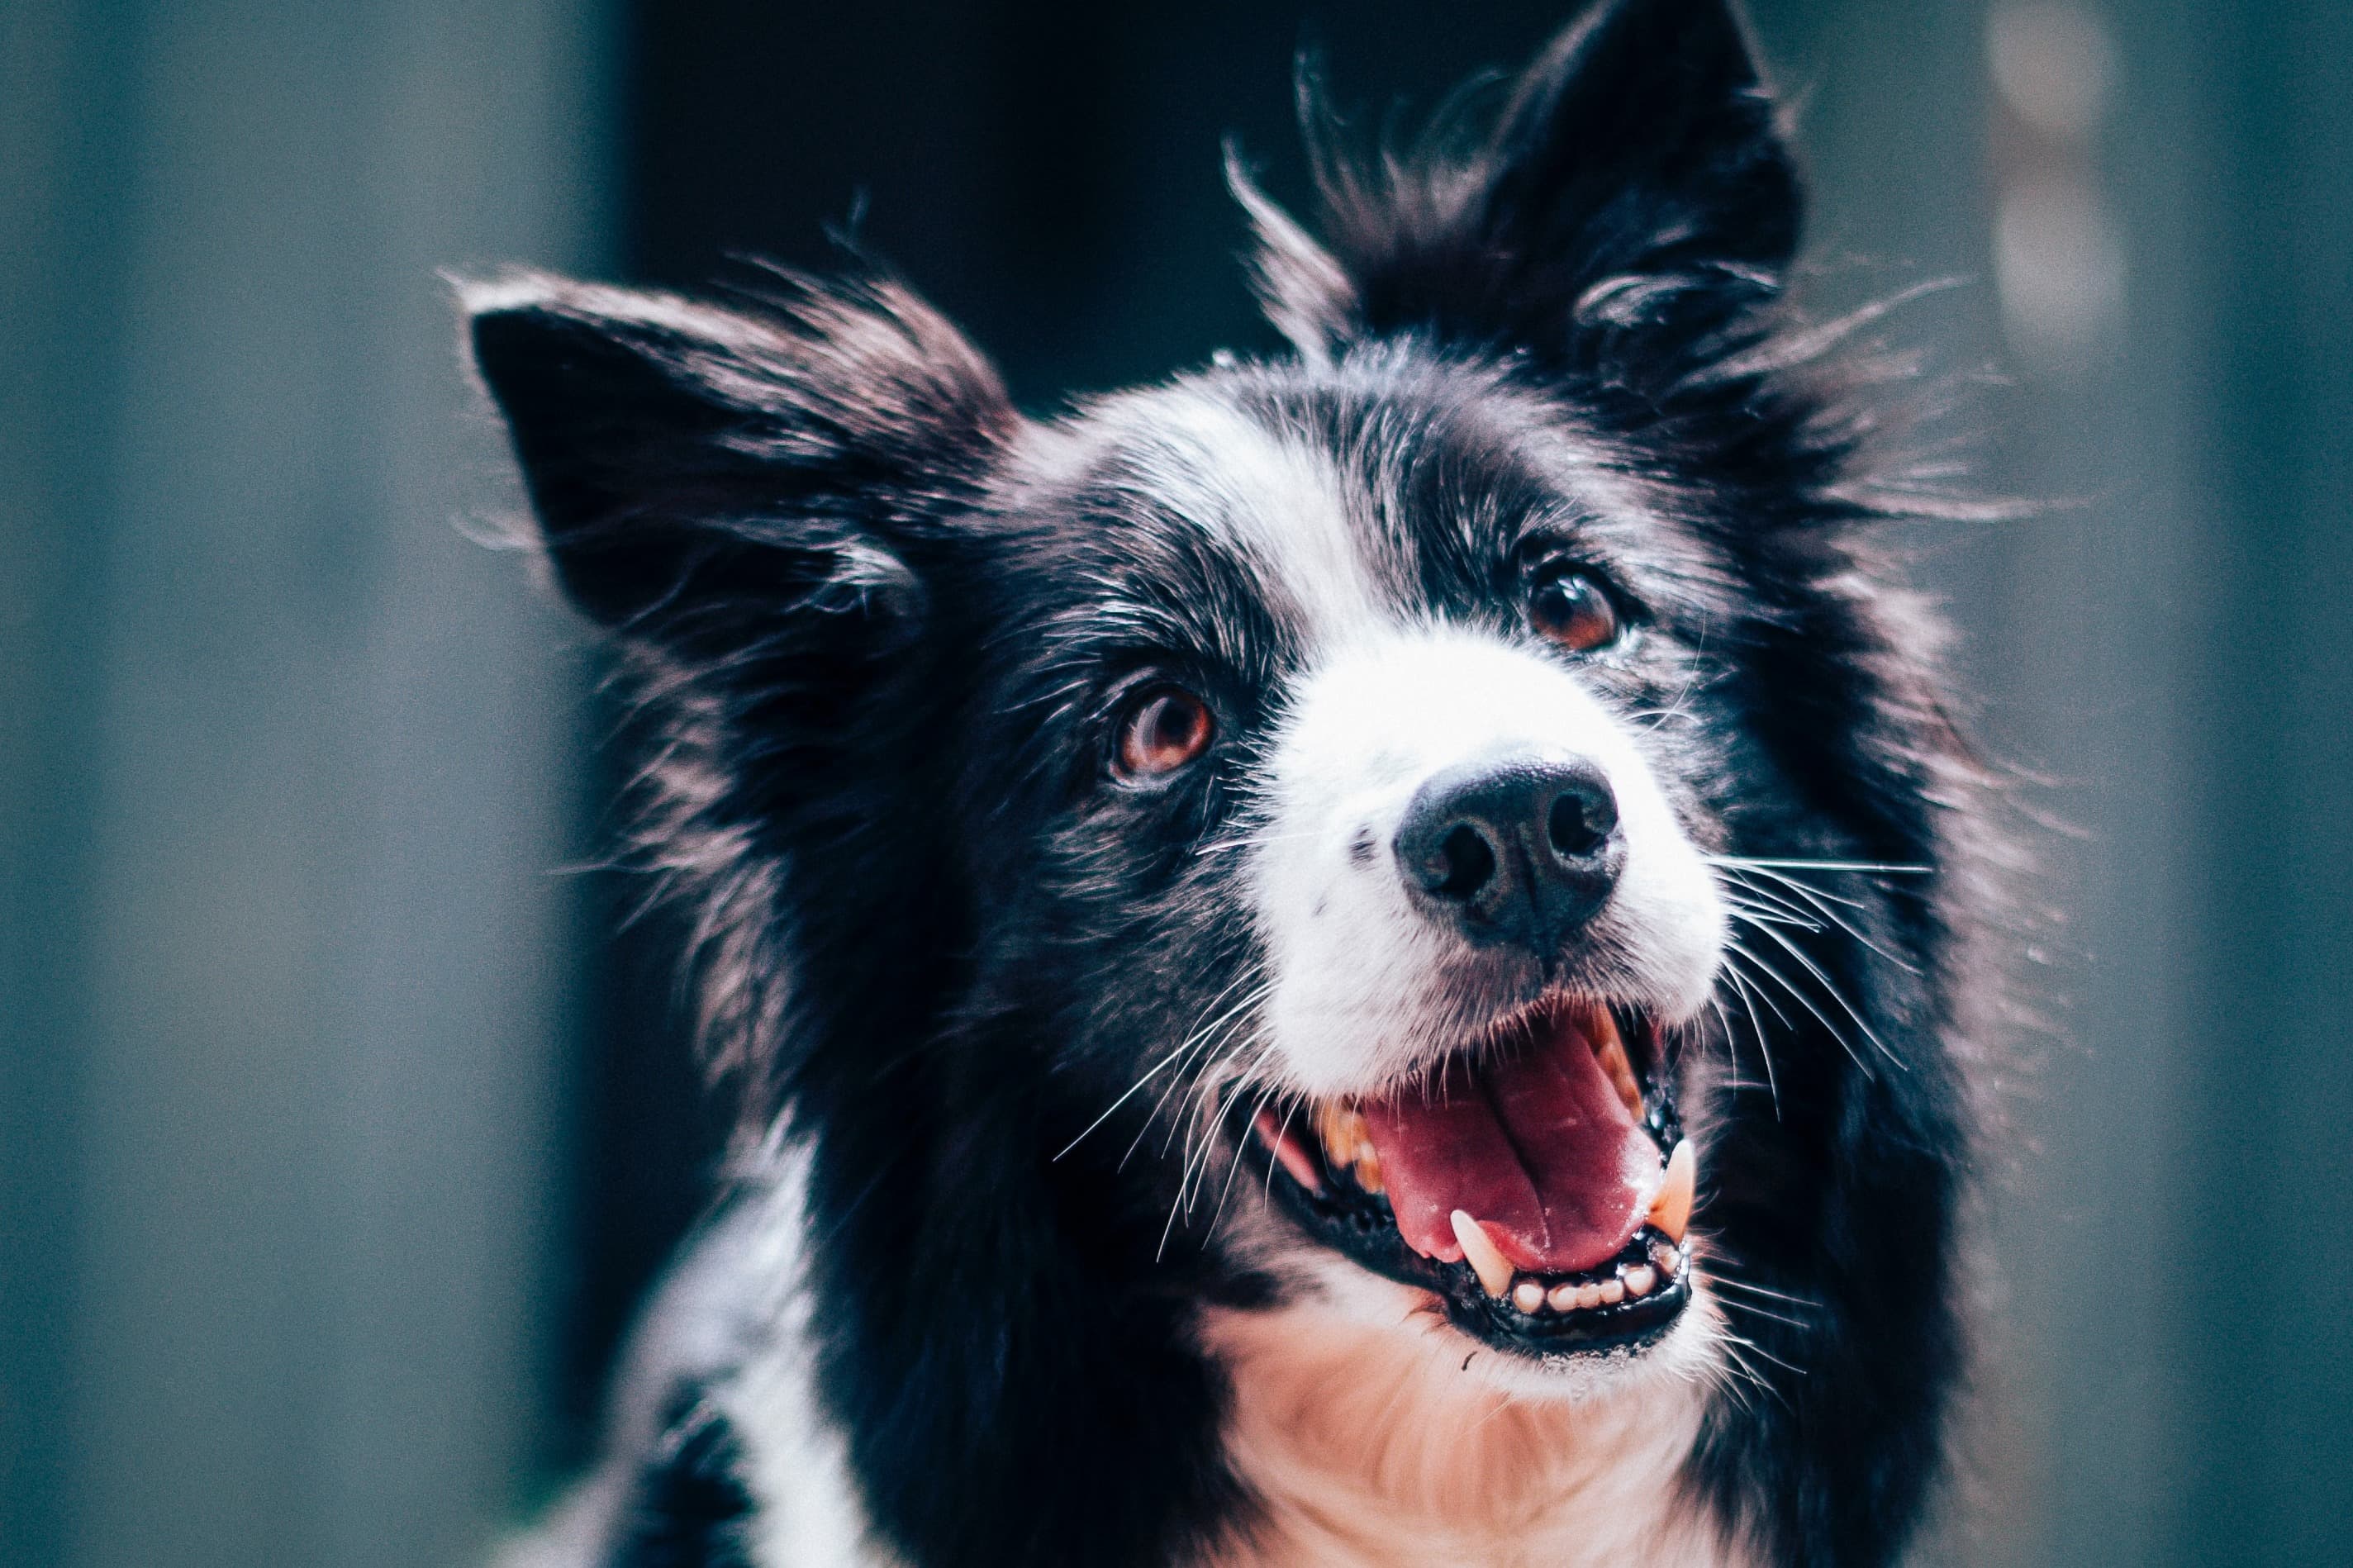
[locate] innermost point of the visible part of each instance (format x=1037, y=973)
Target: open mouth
x=1537, y=1181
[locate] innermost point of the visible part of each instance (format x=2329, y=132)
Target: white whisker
x=1791, y=989
x=1787, y=865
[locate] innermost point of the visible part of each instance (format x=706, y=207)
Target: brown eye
x=1571, y=609
x=1167, y=728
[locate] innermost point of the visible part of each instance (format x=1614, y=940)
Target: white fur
x=1365, y=988
x=1371, y=1444
x=1279, y=503
x=740, y=1309
x=796, y=1464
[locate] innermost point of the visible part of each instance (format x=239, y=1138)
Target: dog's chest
x=1369, y=1451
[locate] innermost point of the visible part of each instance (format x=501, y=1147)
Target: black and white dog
x=1353, y=959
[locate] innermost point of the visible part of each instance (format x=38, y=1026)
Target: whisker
x=1774, y=898
x=1729, y=1376
x=1732, y=1305
x=1733, y=1345
x=1734, y=950
x=1675, y=709
x=1757, y=915
x=1791, y=880
x=1746, y=1343
x=1150, y=1073
x=1795, y=865
x=1716, y=1276
x=1212, y=1092
x=1274, y=1155
x=1738, y=1077
x=1196, y=1165
x=1204, y=1088
x=1820, y=902
x=1201, y=1048
x=1253, y=841
x=1745, y=989
x=1203, y=1044
x=1837, y=996
x=1791, y=989
x=1234, y=1166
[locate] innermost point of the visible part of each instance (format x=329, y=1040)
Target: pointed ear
x=696, y=470
x=1632, y=201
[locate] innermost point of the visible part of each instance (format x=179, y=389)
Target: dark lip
x=1361, y=1227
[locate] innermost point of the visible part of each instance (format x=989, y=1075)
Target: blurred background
x=337, y=1134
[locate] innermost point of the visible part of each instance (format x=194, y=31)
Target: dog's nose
x=1522, y=851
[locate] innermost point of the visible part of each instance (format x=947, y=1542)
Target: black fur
x=880, y=644
x=688, y=1508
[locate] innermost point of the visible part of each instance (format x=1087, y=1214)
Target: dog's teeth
x=1666, y=1258
x=1563, y=1297
x=1348, y=1144
x=1588, y=1295
x=1640, y=1279
x=1487, y=1259
x=1528, y=1296
x=1612, y=1292
x=1611, y=1051
x=1670, y=1210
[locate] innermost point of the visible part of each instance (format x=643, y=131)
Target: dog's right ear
x=1627, y=213
x=699, y=471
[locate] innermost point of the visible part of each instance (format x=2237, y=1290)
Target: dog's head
x=1336, y=776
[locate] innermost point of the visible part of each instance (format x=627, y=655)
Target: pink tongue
x=1538, y=1147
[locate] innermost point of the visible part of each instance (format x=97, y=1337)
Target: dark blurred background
x=337, y=1130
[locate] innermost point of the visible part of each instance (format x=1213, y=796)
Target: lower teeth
x=1631, y=1282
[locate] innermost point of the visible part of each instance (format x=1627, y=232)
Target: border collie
x=1354, y=958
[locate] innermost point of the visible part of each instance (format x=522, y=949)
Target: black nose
x=1522, y=851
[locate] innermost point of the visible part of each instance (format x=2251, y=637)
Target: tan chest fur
x=1370, y=1449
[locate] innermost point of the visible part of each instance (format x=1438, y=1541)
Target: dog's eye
x=1573, y=610
x=1165, y=729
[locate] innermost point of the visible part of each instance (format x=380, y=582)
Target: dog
x=1366, y=956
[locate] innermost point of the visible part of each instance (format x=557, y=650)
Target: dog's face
x=1281, y=834
x=1335, y=763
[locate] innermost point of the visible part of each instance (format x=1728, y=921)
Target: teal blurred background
x=337, y=1132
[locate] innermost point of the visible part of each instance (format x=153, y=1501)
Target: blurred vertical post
x=2262, y=1457
x=2150, y=207
x=279, y=1053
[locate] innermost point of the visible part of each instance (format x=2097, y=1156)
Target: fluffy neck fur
x=1367, y=1448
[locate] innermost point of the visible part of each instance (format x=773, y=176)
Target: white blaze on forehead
x=1276, y=501
x=1366, y=986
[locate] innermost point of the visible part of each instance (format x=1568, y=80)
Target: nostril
x=1468, y=859
x=1519, y=851
x=1581, y=822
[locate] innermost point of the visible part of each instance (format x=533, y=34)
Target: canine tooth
x=1611, y=1051
x=1588, y=1295
x=1342, y=1129
x=1368, y=1169
x=1670, y=1210
x=1612, y=1291
x=1527, y=1295
x=1563, y=1297
x=1487, y=1260
x=1640, y=1279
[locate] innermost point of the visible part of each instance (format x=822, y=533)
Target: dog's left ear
x=1633, y=200
x=711, y=479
